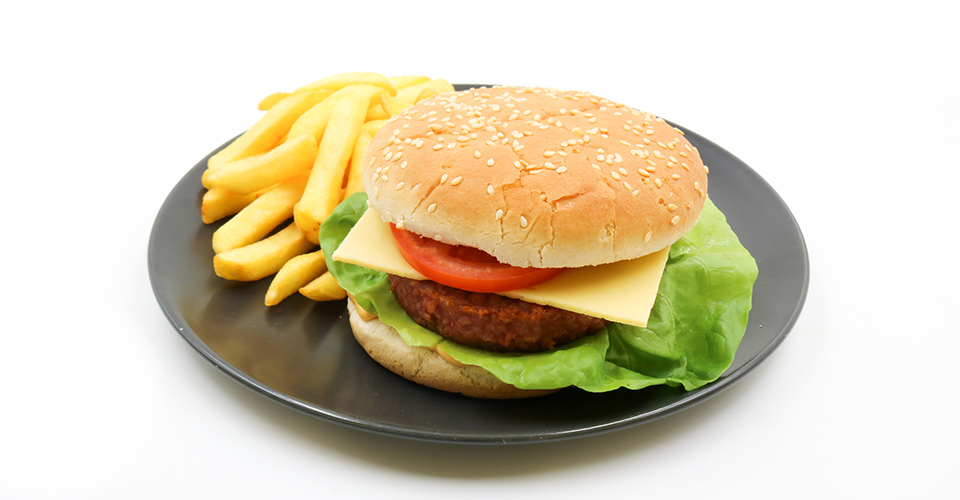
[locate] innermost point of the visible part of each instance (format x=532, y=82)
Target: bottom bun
x=426, y=366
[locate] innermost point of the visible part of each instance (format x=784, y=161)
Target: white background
x=849, y=110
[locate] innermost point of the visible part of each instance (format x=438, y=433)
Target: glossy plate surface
x=302, y=353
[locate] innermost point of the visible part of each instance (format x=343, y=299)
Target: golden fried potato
x=260, y=217
x=314, y=122
x=268, y=131
x=262, y=258
x=294, y=275
x=323, y=190
x=354, y=178
x=400, y=82
x=323, y=289
x=333, y=84
x=219, y=203
x=251, y=174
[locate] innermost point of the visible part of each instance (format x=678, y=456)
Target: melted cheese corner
x=622, y=292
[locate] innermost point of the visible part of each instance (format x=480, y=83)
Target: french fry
x=412, y=92
x=400, y=82
x=271, y=127
x=394, y=105
x=376, y=113
x=337, y=82
x=257, y=219
x=354, y=177
x=262, y=258
x=254, y=173
x=323, y=190
x=323, y=289
x=294, y=275
x=425, y=93
x=314, y=122
x=272, y=99
x=219, y=203
x=333, y=84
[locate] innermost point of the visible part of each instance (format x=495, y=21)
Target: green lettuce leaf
x=695, y=327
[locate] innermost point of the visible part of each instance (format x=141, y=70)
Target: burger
x=516, y=241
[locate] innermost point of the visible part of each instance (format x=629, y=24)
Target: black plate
x=303, y=355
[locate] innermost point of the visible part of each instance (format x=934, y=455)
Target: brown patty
x=489, y=321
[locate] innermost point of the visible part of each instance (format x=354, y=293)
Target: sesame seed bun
x=536, y=177
x=426, y=366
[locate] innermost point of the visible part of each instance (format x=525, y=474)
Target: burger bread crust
x=427, y=367
x=536, y=177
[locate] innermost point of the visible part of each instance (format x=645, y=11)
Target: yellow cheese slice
x=622, y=292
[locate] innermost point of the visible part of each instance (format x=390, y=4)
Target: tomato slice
x=465, y=268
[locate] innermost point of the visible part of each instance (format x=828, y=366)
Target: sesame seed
x=463, y=138
x=615, y=176
x=437, y=147
x=477, y=154
x=543, y=196
x=594, y=165
x=647, y=236
x=651, y=169
x=456, y=181
x=523, y=221
x=561, y=169
x=658, y=182
x=432, y=208
x=489, y=188
x=490, y=162
x=396, y=156
x=671, y=207
x=706, y=169
x=399, y=186
x=517, y=164
x=498, y=215
x=549, y=153
x=675, y=177
x=403, y=164
x=649, y=131
x=622, y=170
x=675, y=220
x=443, y=178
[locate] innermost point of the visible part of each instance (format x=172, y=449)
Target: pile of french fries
x=300, y=160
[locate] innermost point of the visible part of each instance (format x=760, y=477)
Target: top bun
x=536, y=177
